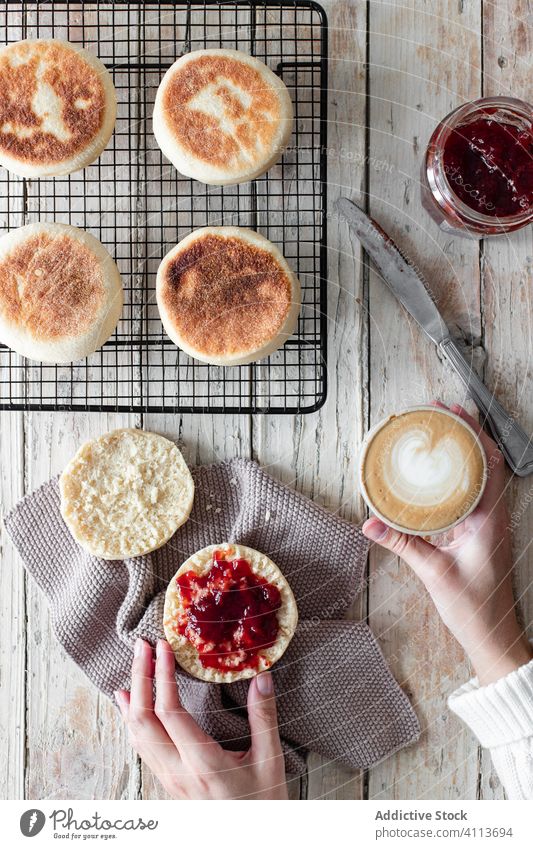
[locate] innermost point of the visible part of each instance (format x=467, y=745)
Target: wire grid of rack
x=136, y=203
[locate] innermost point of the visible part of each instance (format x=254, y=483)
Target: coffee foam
x=425, y=474
x=423, y=470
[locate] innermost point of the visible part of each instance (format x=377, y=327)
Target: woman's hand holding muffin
x=189, y=763
x=469, y=579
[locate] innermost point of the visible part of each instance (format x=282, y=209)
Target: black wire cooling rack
x=136, y=203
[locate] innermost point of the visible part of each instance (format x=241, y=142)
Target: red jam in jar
x=489, y=165
x=479, y=168
x=230, y=614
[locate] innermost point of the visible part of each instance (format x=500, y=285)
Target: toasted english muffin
x=60, y=292
x=222, y=116
x=57, y=109
x=227, y=296
x=125, y=493
x=235, y=661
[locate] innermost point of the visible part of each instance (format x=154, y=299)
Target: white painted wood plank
x=76, y=747
x=12, y=615
x=75, y=741
x=423, y=62
x=316, y=453
x=508, y=304
x=203, y=438
x=12, y=581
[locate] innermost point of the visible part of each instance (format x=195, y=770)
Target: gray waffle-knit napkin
x=336, y=695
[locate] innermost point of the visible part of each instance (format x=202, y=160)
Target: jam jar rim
x=437, y=178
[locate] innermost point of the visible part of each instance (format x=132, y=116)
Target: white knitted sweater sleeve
x=501, y=717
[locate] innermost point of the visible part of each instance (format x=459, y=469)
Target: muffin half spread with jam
x=229, y=613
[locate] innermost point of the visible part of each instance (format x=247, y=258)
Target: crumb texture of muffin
x=126, y=493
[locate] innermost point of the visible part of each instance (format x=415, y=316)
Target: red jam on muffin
x=229, y=614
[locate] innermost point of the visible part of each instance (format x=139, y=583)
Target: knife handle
x=513, y=442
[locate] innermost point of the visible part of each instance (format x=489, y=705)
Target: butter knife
x=411, y=290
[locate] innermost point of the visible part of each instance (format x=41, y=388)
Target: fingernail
x=265, y=684
x=119, y=697
x=375, y=530
x=139, y=644
x=159, y=648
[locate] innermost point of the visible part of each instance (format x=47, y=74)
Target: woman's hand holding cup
x=470, y=577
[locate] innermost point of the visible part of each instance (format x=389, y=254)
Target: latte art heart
x=422, y=470
x=424, y=474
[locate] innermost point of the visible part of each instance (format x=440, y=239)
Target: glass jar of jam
x=477, y=177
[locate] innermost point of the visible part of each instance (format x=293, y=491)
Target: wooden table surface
x=395, y=69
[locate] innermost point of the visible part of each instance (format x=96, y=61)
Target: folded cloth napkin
x=336, y=695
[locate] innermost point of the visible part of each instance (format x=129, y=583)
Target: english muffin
x=125, y=493
x=222, y=116
x=60, y=292
x=229, y=613
x=227, y=296
x=57, y=110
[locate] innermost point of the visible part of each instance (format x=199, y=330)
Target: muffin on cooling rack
x=222, y=116
x=227, y=296
x=60, y=292
x=57, y=110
